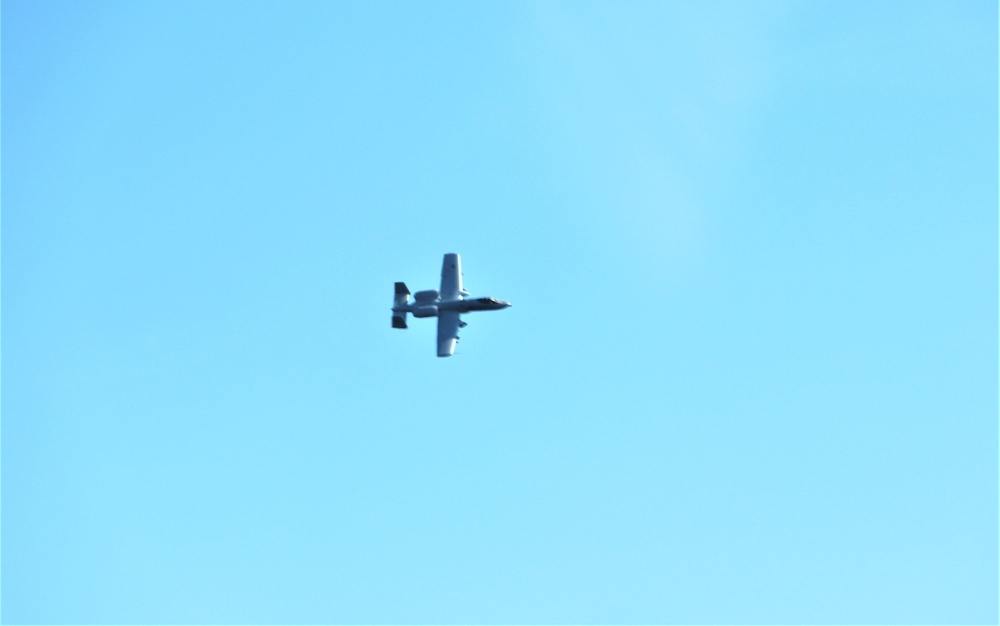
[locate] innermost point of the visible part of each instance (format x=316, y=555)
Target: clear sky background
x=750, y=373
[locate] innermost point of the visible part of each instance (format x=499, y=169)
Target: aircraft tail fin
x=400, y=298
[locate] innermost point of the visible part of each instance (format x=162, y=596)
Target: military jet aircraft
x=447, y=305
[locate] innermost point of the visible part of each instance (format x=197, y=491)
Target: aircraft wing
x=448, y=325
x=451, y=277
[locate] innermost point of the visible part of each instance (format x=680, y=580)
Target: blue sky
x=750, y=374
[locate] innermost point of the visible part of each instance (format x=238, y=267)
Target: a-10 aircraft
x=447, y=305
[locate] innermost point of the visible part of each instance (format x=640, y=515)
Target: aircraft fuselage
x=463, y=305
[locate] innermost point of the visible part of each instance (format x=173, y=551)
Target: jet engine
x=426, y=296
x=425, y=311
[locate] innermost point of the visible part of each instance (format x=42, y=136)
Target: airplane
x=447, y=305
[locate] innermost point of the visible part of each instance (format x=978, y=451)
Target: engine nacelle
x=426, y=296
x=425, y=311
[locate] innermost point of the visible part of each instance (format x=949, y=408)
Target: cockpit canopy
x=488, y=301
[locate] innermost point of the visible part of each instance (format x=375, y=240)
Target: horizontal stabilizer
x=400, y=299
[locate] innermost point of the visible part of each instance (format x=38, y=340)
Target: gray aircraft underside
x=447, y=304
